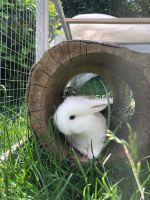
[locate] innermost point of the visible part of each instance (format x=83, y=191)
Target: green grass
x=12, y=128
x=35, y=173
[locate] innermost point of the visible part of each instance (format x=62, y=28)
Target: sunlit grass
x=32, y=172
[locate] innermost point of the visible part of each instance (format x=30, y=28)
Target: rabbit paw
x=82, y=150
x=92, y=153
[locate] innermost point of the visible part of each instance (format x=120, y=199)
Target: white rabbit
x=78, y=118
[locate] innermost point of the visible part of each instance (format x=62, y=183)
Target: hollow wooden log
x=117, y=65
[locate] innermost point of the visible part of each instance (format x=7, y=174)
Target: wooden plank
x=108, y=21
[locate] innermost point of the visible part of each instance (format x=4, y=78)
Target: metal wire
x=27, y=29
x=17, y=52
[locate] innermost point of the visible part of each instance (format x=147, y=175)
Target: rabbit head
x=72, y=116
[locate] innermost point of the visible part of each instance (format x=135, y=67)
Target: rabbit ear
x=98, y=108
x=97, y=105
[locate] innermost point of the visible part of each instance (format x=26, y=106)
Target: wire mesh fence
x=17, y=52
x=27, y=29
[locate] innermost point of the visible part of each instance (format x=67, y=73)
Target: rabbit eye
x=72, y=117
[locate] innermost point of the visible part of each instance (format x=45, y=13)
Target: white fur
x=87, y=131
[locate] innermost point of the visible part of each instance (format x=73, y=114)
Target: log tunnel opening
x=93, y=84
x=124, y=104
x=89, y=84
x=117, y=66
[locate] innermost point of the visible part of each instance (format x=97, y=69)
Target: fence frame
x=42, y=27
x=138, y=21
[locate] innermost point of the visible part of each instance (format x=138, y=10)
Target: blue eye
x=72, y=117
